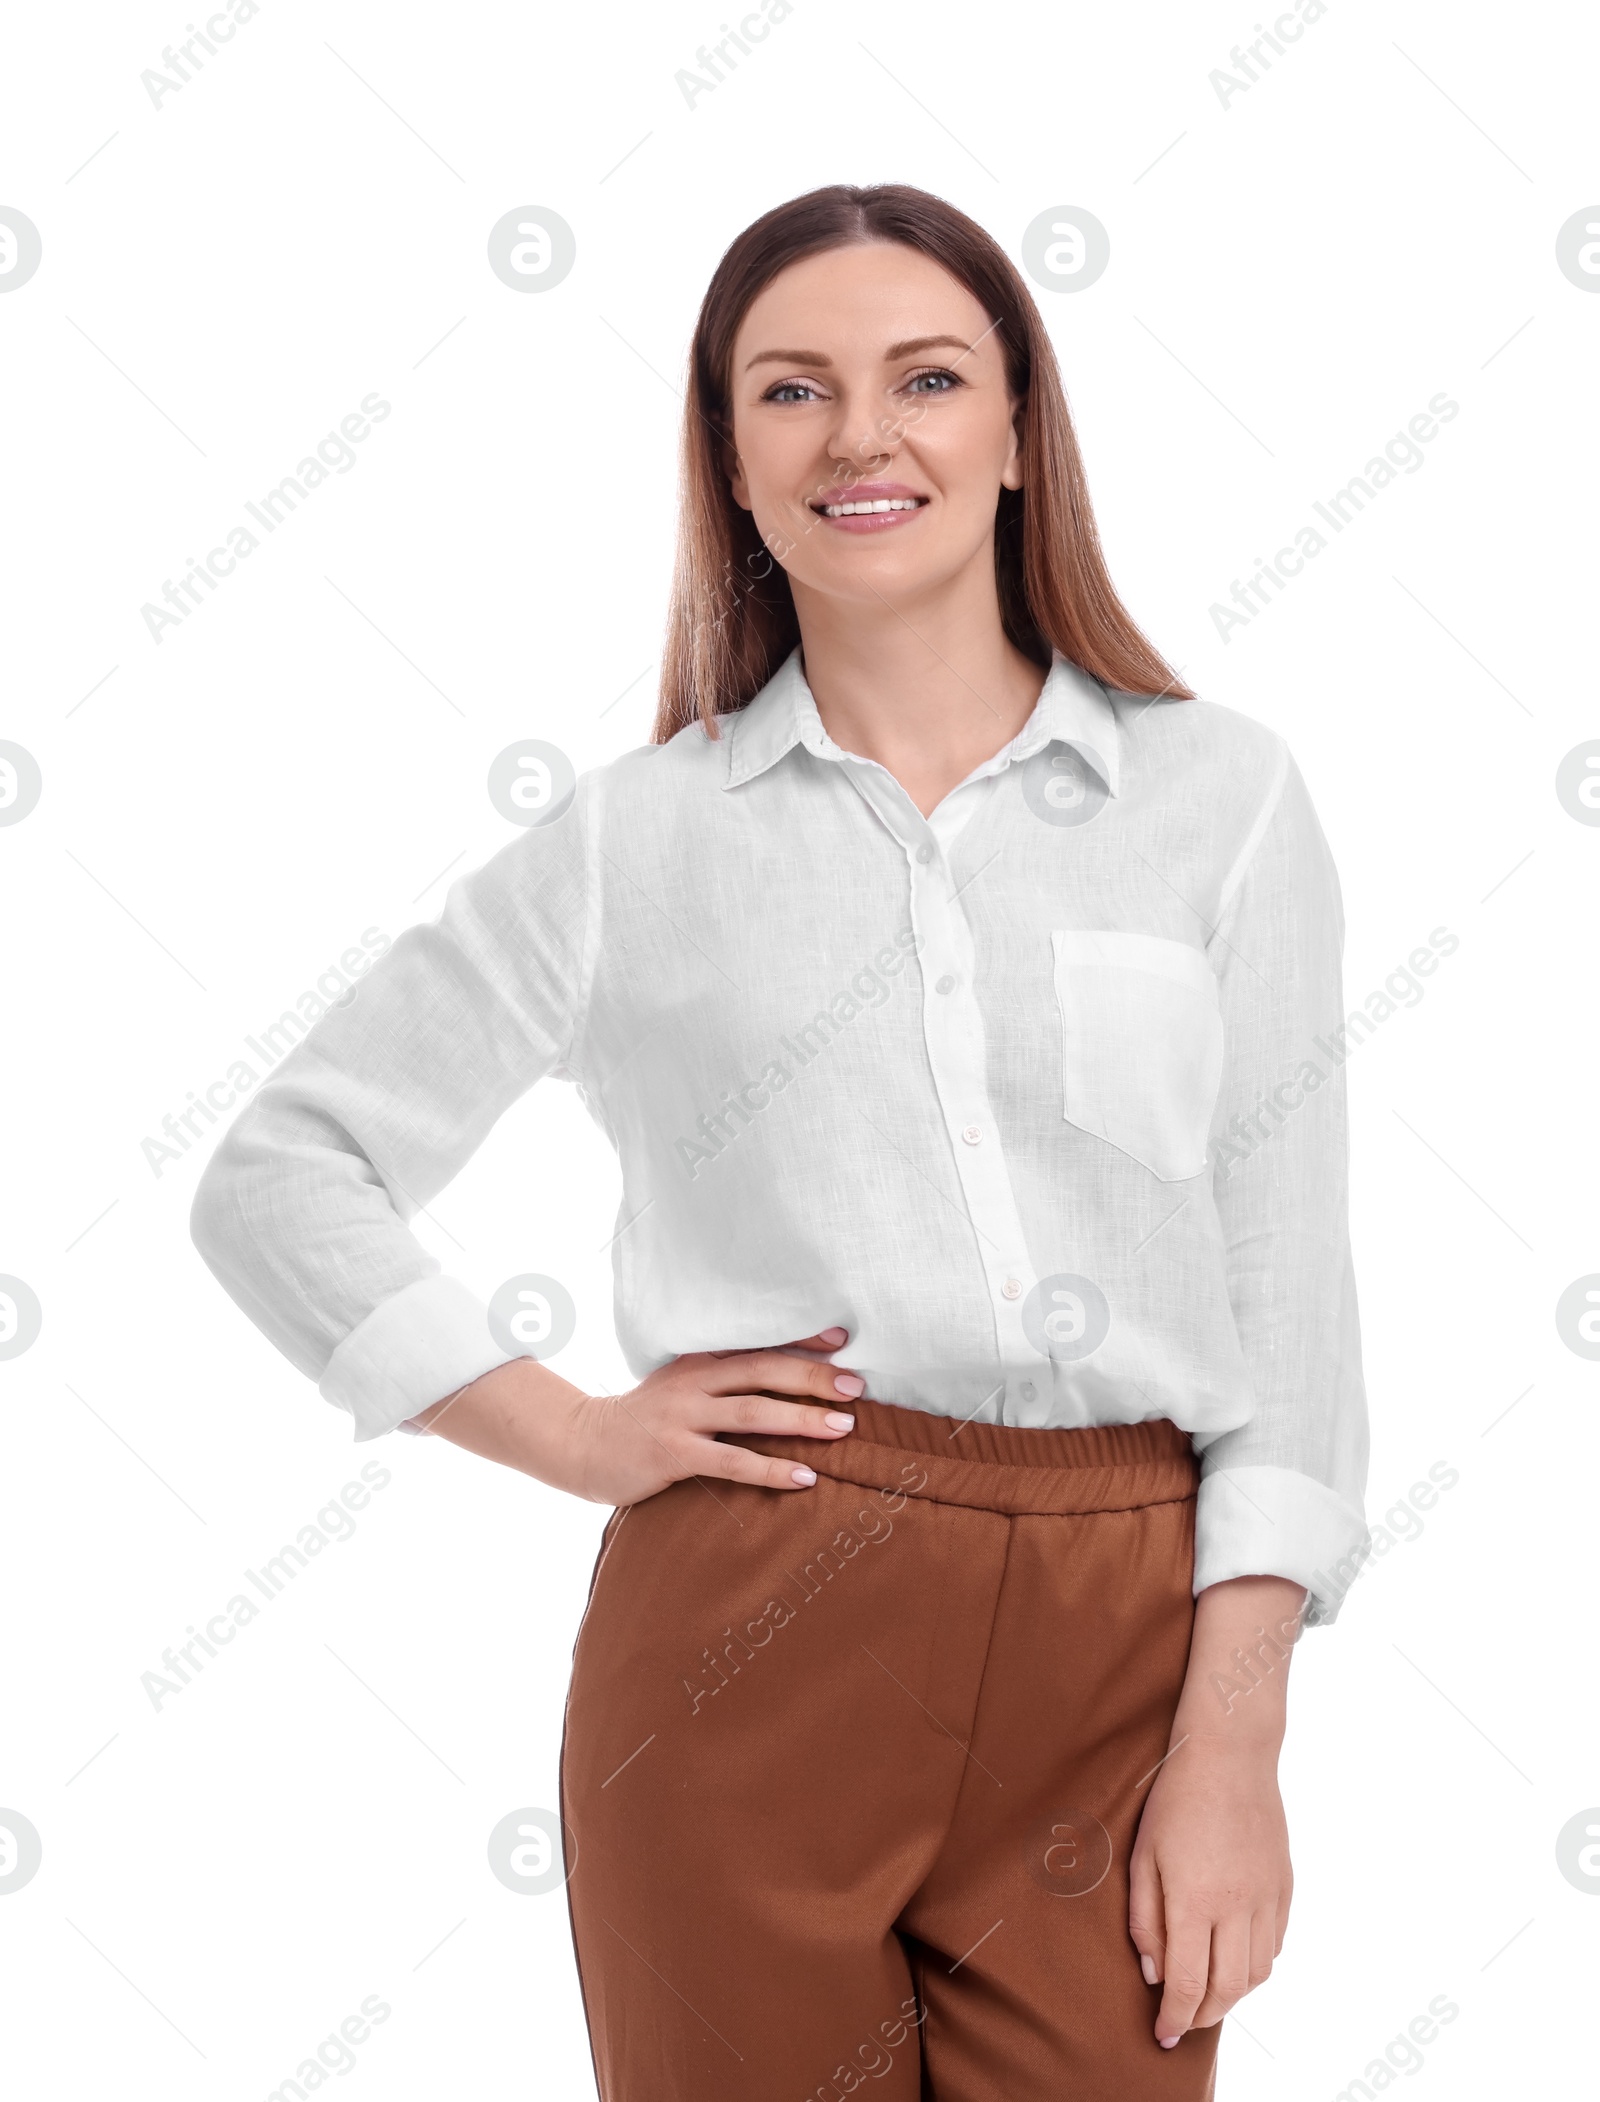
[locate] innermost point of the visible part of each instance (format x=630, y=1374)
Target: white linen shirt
x=1036, y=1096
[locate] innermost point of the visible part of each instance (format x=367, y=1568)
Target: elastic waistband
x=999, y=1466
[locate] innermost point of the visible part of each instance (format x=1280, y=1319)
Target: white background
x=1292, y=277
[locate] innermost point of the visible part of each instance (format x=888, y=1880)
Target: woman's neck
x=929, y=695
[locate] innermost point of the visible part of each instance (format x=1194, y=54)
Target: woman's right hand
x=622, y=1448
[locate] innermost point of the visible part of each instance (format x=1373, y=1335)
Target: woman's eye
x=946, y=382
x=790, y=390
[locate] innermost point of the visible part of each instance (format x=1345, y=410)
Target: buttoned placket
x=957, y=1055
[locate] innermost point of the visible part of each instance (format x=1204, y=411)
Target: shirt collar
x=1072, y=709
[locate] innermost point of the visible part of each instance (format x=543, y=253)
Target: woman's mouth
x=869, y=510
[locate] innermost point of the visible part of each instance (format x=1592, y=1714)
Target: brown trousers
x=851, y=1776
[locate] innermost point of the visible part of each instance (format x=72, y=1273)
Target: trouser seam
x=926, y=1496
x=967, y=1760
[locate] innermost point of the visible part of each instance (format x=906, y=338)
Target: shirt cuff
x=412, y=1350
x=1270, y=1521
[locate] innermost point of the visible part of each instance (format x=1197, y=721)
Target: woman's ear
x=733, y=468
x=1011, y=476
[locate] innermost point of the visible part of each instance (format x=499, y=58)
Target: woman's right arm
x=621, y=1448
x=302, y=1211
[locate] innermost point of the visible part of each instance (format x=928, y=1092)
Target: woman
x=947, y=978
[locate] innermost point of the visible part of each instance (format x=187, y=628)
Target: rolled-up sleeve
x=302, y=1211
x=1282, y=1495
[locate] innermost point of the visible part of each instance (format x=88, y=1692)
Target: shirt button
x=946, y=984
x=924, y=853
x=1028, y=1390
x=1012, y=1288
x=973, y=1133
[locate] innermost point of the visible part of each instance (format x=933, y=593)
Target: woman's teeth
x=879, y=503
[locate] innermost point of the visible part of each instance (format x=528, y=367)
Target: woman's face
x=869, y=375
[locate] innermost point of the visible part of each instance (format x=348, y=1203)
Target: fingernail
x=835, y=1336
x=804, y=1476
x=849, y=1383
x=1147, y=1964
x=1167, y=2043
x=836, y=1420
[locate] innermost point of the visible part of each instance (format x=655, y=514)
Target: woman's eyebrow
x=896, y=350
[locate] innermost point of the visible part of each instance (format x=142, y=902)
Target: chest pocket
x=1141, y=1031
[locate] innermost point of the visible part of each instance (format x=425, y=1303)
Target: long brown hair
x=732, y=618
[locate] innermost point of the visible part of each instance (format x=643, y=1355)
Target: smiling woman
x=986, y=1797
x=963, y=404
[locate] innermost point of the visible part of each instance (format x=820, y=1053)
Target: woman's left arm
x=1210, y=1873
x=1279, y=1527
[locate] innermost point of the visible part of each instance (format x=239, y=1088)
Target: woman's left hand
x=1210, y=1879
